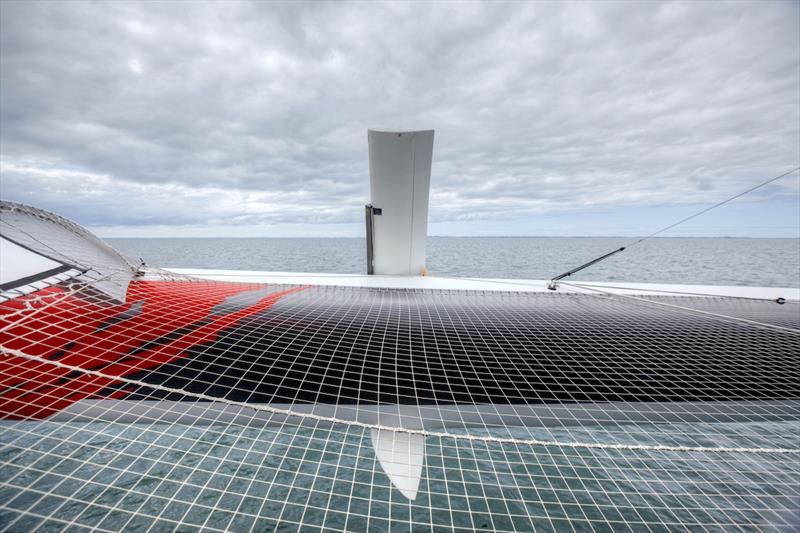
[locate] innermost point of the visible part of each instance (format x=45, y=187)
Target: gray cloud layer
x=251, y=113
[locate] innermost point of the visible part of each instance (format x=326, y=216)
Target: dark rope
x=552, y=285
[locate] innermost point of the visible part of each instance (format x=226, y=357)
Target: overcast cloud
x=249, y=118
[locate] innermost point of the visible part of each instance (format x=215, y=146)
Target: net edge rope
x=425, y=433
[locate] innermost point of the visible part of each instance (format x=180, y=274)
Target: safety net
x=134, y=398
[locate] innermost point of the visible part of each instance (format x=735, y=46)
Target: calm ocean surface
x=756, y=262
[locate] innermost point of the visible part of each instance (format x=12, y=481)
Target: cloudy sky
x=250, y=119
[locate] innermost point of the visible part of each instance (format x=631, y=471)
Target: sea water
x=160, y=477
x=703, y=261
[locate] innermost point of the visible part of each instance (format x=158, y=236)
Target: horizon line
x=481, y=237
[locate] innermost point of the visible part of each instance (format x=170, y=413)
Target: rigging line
x=684, y=293
x=643, y=288
x=424, y=432
x=552, y=284
x=683, y=308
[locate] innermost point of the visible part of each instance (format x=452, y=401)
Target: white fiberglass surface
x=485, y=284
x=17, y=262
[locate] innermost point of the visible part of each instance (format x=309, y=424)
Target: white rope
x=423, y=432
x=690, y=309
x=678, y=293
